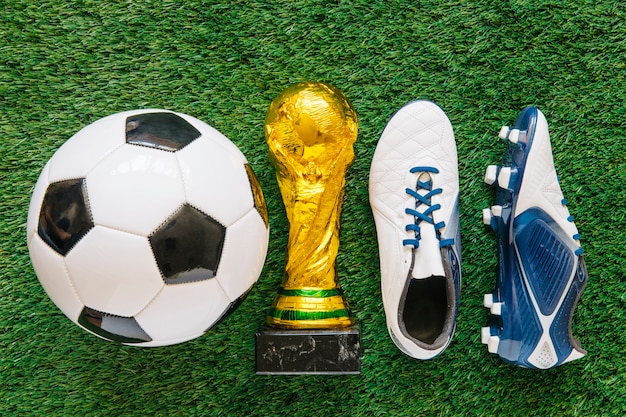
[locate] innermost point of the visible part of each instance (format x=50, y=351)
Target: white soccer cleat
x=414, y=190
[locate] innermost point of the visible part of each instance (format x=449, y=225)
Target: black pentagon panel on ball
x=166, y=131
x=65, y=216
x=116, y=328
x=188, y=246
x=259, y=199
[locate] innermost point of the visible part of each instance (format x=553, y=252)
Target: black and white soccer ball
x=147, y=227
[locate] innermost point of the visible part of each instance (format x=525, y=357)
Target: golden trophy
x=310, y=130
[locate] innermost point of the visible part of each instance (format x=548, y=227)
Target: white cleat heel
x=491, y=175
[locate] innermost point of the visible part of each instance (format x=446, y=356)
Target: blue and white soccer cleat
x=414, y=190
x=541, y=269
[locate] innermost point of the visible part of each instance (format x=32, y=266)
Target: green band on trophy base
x=310, y=293
x=307, y=315
x=309, y=308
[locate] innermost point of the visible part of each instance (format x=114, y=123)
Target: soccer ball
x=147, y=227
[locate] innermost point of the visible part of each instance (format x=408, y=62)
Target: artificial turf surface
x=64, y=65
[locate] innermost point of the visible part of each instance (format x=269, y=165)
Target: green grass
x=64, y=65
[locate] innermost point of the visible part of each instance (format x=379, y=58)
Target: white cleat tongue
x=427, y=262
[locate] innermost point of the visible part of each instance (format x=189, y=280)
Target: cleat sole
x=541, y=272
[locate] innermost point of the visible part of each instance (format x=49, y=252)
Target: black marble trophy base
x=296, y=352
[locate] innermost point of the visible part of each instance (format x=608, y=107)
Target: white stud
x=488, y=300
x=496, y=309
x=496, y=211
x=485, y=334
x=491, y=174
x=514, y=136
x=487, y=216
x=493, y=343
x=504, y=132
x=504, y=177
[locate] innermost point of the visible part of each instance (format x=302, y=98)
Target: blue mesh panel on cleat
x=547, y=260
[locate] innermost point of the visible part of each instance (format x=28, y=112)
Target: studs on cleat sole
x=496, y=309
x=490, y=213
x=488, y=300
x=493, y=306
x=491, y=174
x=492, y=341
x=514, y=135
x=487, y=216
x=496, y=211
x=492, y=344
x=504, y=132
x=485, y=334
x=504, y=177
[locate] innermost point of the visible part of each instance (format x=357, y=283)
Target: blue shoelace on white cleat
x=426, y=214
